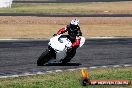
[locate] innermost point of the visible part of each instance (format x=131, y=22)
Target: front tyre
x=44, y=58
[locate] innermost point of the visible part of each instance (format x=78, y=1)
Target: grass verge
x=68, y=79
x=63, y=8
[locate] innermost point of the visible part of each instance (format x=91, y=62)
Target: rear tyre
x=44, y=58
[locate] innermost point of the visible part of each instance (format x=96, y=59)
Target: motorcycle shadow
x=62, y=64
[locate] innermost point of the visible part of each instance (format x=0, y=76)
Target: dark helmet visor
x=73, y=27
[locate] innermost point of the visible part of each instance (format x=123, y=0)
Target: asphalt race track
x=18, y=57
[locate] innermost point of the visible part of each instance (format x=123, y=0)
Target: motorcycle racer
x=74, y=34
x=63, y=47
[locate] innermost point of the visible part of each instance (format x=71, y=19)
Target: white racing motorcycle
x=58, y=48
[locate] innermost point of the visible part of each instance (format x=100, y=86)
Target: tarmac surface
x=18, y=57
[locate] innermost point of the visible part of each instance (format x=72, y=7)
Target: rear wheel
x=44, y=58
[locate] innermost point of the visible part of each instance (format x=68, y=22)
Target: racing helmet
x=74, y=24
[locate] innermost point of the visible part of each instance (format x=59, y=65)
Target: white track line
x=54, y=71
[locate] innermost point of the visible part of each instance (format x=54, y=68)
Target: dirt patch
x=63, y=20
x=45, y=27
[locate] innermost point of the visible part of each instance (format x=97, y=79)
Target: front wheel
x=44, y=58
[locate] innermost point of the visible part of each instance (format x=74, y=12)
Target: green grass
x=68, y=79
x=88, y=7
x=48, y=8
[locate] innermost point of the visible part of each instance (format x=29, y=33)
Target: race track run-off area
x=18, y=57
